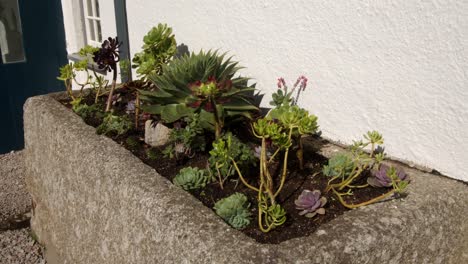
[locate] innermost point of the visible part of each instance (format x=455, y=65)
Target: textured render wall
x=399, y=67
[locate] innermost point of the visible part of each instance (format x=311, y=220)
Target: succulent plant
x=283, y=97
x=86, y=111
x=383, y=176
x=132, y=142
x=114, y=124
x=310, y=203
x=234, y=209
x=186, y=138
x=158, y=49
x=276, y=215
x=202, y=83
x=224, y=149
x=190, y=178
x=340, y=165
x=108, y=55
x=152, y=154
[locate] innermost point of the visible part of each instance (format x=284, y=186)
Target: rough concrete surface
x=18, y=247
x=15, y=202
x=16, y=242
x=97, y=203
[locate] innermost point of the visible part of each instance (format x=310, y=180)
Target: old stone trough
x=94, y=202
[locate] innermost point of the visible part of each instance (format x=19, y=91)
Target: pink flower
x=281, y=83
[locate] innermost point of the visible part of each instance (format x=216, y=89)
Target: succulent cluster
x=203, y=92
x=190, y=178
x=234, y=210
x=310, y=203
x=277, y=130
x=346, y=170
x=293, y=118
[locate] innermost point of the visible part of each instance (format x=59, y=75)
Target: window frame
x=92, y=22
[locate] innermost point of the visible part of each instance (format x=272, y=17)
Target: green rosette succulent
x=234, y=210
x=340, y=165
x=191, y=178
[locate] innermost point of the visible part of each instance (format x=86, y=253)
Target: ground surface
x=16, y=243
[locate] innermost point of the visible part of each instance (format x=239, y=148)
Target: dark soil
x=310, y=178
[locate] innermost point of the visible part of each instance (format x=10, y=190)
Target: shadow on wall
x=182, y=50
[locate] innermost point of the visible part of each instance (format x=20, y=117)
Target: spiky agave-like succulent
x=234, y=209
x=190, y=178
x=310, y=203
x=204, y=83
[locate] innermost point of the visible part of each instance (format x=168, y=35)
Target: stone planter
x=97, y=203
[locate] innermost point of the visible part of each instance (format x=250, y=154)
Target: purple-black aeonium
x=108, y=55
x=106, y=58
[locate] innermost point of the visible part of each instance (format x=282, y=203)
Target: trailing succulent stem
x=225, y=150
x=278, y=127
x=284, y=97
x=345, y=170
x=68, y=74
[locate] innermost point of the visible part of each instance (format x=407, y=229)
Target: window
x=11, y=36
x=92, y=22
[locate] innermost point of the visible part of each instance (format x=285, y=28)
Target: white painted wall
x=396, y=66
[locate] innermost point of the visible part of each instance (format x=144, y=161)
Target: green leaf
x=174, y=112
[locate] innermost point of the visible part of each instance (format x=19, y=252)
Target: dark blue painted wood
x=44, y=44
